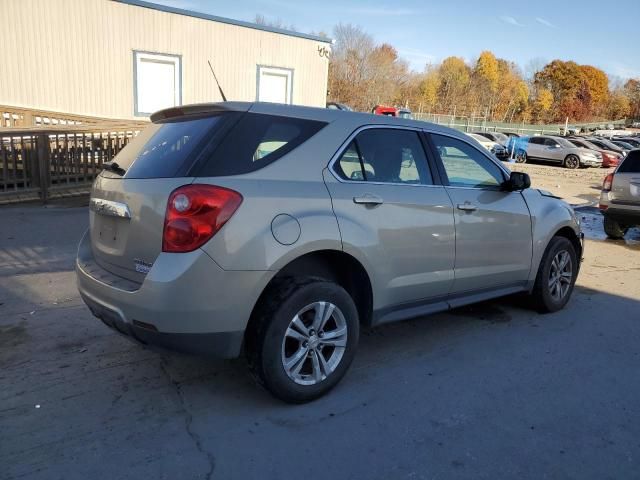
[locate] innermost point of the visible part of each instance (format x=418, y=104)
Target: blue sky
x=430, y=30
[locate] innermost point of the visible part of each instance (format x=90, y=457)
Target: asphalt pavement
x=489, y=391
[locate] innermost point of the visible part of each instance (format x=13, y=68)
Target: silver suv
x=278, y=232
x=556, y=150
x=620, y=197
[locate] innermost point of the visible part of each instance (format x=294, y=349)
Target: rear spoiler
x=199, y=109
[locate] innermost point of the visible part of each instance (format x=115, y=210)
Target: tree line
x=363, y=74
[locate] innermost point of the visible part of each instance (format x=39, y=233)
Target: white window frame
x=176, y=60
x=287, y=72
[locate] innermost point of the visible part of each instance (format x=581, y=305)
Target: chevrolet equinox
x=278, y=232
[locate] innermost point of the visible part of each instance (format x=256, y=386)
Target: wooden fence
x=47, y=162
x=30, y=117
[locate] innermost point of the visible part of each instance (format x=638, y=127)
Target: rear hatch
x=129, y=197
x=625, y=190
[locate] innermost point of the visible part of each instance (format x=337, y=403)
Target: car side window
x=549, y=142
x=466, y=166
x=536, y=140
x=385, y=155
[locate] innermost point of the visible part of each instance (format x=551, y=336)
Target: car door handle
x=467, y=207
x=368, y=199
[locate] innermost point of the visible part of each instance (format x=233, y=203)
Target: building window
x=157, y=82
x=275, y=85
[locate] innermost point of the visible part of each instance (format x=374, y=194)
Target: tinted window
x=536, y=140
x=465, y=166
x=165, y=149
x=385, y=155
x=631, y=164
x=550, y=142
x=256, y=141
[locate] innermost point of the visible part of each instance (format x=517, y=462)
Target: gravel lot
x=489, y=391
x=578, y=187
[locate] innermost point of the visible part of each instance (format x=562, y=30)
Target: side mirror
x=517, y=181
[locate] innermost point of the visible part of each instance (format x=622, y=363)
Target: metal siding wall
x=75, y=56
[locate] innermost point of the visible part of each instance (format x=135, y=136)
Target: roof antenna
x=224, y=99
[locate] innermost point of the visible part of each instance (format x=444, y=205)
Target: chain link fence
x=480, y=123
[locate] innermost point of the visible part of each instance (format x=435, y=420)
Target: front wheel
x=613, y=229
x=556, y=276
x=572, y=162
x=303, y=338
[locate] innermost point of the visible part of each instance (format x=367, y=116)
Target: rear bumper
x=627, y=217
x=221, y=344
x=186, y=302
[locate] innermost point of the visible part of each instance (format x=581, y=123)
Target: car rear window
x=167, y=149
x=631, y=164
x=256, y=141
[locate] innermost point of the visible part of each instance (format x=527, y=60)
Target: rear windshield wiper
x=114, y=167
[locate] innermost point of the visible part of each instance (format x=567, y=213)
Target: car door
x=535, y=147
x=493, y=226
x=553, y=150
x=393, y=215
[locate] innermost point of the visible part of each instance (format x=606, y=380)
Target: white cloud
x=545, y=22
x=511, y=21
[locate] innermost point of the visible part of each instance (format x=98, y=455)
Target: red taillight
x=194, y=214
x=608, y=180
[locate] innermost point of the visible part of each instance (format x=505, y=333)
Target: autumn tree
x=542, y=104
x=363, y=74
x=454, y=80
x=632, y=92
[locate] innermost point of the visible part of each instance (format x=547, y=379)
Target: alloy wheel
x=572, y=162
x=560, y=275
x=314, y=343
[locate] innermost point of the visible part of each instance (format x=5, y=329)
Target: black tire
x=521, y=156
x=541, y=296
x=613, y=229
x=266, y=334
x=572, y=162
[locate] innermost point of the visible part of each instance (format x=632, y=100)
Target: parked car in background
x=633, y=141
x=606, y=144
x=500, y=151
x=278, y=232
x=609, y=157
x=511, y=134
x=558, y=150
x=385, y=110
x=392, y=111
x=497, y=137
x=622, y=144
x=339, y=106
x=404, y=113
x=620, y=197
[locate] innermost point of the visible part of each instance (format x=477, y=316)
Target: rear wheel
x=572, y=162
x=302, y=338
x=521, y=156
x=613, y=229
x=556, y=276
